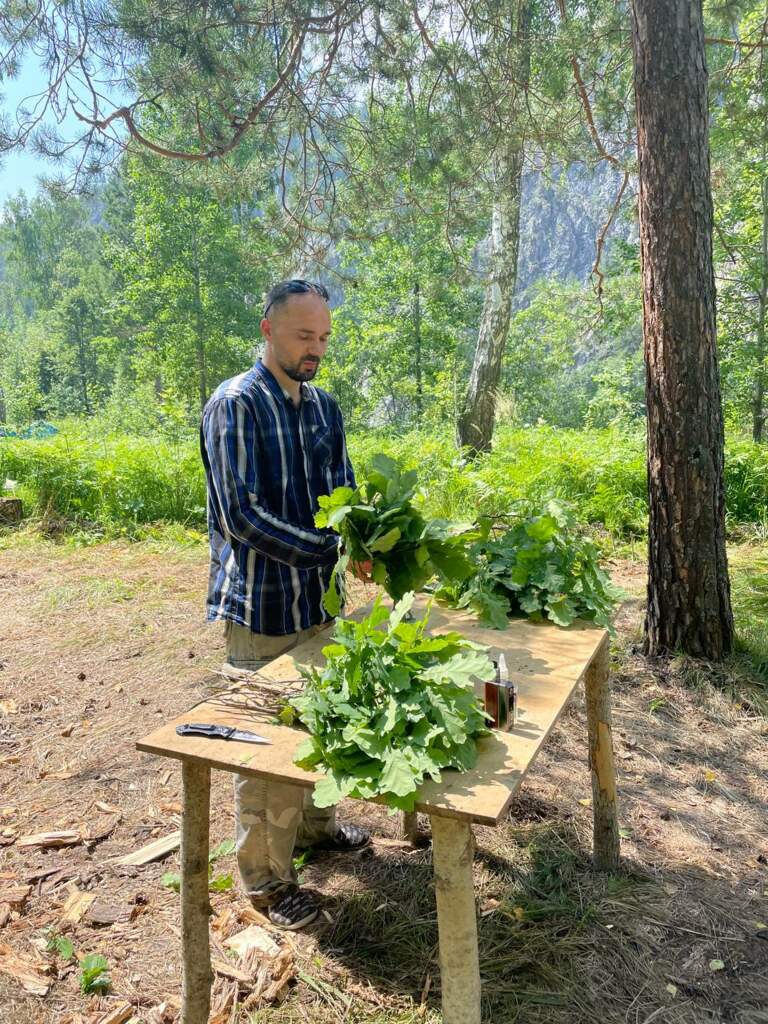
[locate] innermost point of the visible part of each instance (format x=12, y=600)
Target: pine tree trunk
x=689, y=606
x=758, y=403
x=476, y=421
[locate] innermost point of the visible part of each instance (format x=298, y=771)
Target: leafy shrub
x=60, y=945
x=120, y=483
x=93, y=974
x=601, y=473
x=746, y=482
x=540, y=566
x=115, y=483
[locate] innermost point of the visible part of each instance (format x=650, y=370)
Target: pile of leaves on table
x=541, y=566
x=379, y=523
x=390, y=707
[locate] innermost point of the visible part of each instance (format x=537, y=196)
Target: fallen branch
x=48, y=840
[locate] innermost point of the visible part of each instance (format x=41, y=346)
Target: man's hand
x=362, y=571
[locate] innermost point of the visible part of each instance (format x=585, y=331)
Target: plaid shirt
x=266, y=463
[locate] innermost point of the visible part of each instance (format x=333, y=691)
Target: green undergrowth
x=118, y=485
x=109, y=486
x=600, y=472
x=748, y=565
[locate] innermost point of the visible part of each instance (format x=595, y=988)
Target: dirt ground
x=99, y=645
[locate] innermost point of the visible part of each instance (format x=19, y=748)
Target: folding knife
x=219, y=732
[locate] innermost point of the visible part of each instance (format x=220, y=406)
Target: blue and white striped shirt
x=266, y=464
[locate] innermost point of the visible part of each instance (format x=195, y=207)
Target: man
x=271, y=444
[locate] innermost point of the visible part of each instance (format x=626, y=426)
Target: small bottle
x=501, y=697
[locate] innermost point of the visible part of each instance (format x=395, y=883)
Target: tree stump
x=11, y=511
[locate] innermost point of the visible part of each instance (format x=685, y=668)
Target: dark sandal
x=293, y=910
x=346, y=838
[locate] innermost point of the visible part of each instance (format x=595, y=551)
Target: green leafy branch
x=390, y=707
x=380, y=524
x=541, y=566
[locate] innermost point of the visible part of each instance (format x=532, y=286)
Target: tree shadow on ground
x=558, y=942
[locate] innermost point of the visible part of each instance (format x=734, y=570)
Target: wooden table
x=548, y=662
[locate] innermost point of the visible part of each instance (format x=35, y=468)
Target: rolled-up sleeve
x=228, y=442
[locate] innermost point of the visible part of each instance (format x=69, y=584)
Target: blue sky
x=20, y=169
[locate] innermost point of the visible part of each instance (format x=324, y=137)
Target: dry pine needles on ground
x=102, y=644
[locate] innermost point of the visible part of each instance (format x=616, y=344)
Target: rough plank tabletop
x=546, y=661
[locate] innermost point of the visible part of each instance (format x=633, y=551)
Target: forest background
x=465, y=178
x=460, y=181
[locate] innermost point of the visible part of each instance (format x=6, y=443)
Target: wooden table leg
x=409, y=827
x=195, y=907
x=606, y=825
x=452, y=853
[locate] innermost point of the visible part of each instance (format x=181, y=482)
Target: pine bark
x=689, y=606
x=758, y=400
x=476, y=421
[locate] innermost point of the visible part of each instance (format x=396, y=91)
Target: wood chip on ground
x=101, y=829
x=253, y=937
x=153, y=851
x=272, y=978
x=119, y=1015
x=102, y=913
x=76, y=906
x=15, y=895
x=29, y=973
x=48, y=840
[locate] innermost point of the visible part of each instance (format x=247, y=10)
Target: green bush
x=115, y=483
x=119, y=483
x=601, y=472
x=746, y=482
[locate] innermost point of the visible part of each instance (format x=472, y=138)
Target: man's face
x=298, y=331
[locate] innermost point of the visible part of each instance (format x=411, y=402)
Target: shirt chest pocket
x=321, y=448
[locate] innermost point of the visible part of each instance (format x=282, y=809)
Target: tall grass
x=113, y=483
x=601, y=472
x=748, y=566
x=118, y=483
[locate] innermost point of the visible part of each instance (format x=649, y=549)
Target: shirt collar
x=307, y=391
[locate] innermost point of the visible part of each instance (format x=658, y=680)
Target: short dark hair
x=281, y=292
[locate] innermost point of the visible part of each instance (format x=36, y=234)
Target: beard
x=299, y=372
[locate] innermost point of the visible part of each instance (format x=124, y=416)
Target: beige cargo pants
x=271, y=817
